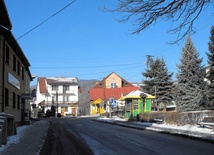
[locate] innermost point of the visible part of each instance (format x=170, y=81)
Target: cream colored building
x=107, y=93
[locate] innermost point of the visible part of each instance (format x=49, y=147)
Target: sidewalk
x=28, y=141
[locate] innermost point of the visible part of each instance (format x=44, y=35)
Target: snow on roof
x=63, y=79
x=136, y=93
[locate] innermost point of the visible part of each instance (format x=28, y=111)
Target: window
x=65, y=98
x=23, y=73
x=7, y=55
x=18, y=68
x=18, y=102
x=6, y=97
x=66, y=87
x=14, y=100
x=22, y=103
x=53, y=99
x=128, y=104
x=113, y=85
x=14, y=63
x=66, y=109
x=55, y=88
x=135, y=104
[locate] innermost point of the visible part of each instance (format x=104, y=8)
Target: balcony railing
x=60, y=103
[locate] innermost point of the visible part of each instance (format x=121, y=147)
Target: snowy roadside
x=189, y=130
x=15, y=139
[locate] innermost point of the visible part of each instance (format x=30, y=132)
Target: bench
x=207, y=121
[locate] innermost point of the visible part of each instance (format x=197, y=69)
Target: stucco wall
x=113, y=78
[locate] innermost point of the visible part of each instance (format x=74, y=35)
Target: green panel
x=148, y=105
x=127, y=114
x=135, y=112
x=139, y=108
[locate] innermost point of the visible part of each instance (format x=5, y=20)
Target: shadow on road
x=60, y=141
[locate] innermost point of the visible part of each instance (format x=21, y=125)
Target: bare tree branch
x=144, y=13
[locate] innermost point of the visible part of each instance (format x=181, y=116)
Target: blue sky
x=86, y=42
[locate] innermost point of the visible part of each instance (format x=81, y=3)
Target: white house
x=62, y=93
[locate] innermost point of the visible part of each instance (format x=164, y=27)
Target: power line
x=45, y=20
x=106, y=71
x=85, y=67
x=140, y=73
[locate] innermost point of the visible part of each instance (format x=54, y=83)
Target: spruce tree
x=191, y=85
x=210, y=69
x=150, y=74
x=163, y=84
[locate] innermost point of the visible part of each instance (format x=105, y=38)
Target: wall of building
x=16, y=81
x=113, y=78
x=65, y=100
x=1, y=59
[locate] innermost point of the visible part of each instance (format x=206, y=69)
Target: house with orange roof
x=58, y=92
x=107, y=92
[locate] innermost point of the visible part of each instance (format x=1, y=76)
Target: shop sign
x=12, y=80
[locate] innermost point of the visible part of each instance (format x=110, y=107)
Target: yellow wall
x=96, y=110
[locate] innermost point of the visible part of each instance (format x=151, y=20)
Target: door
x=74, y=111
x=62, y=111
x=147, y=107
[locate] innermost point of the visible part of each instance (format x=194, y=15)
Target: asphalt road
x=108, y=139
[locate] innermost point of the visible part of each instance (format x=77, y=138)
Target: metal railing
x=60, y=103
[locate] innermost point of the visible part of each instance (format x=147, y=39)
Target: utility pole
x=110, y=104
x=57, y=102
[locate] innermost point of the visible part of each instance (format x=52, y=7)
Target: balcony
x=60, y=103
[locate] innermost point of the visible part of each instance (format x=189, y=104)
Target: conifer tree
x=210, y=73
x=191, y=85
x=163, y=84
x=150, y=74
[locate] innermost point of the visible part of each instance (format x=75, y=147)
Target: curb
x=193, y=134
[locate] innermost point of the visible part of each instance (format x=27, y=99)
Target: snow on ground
x=194, y=128
x=15, y=139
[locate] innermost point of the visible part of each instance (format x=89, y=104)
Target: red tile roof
x=100, y=90
x=106, y=93
x=42, y=85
